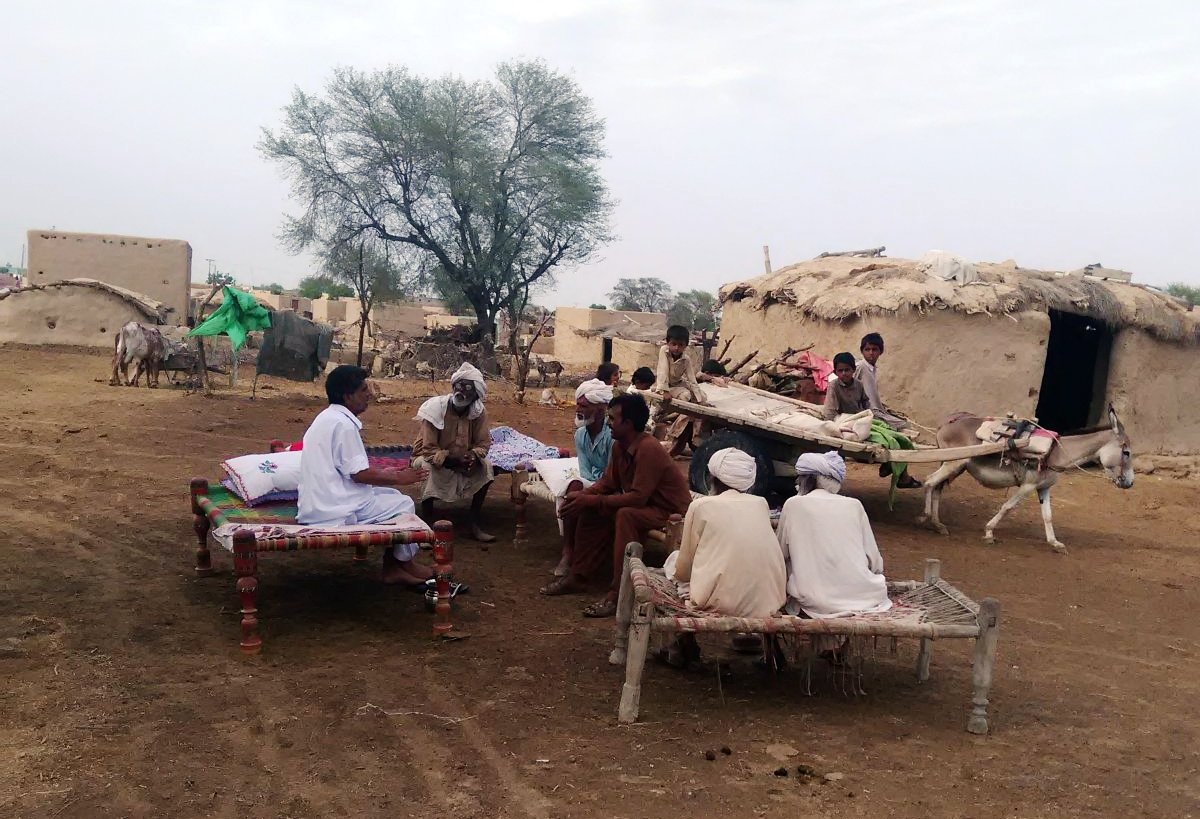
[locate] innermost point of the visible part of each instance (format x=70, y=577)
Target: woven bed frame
x=214, y=506
x=927, y=610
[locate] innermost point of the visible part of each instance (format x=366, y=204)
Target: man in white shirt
x=339, y=487
x=834, y=568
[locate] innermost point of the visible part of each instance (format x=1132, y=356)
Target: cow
x=140, y=345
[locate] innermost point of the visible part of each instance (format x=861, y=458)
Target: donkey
x=1109, y=444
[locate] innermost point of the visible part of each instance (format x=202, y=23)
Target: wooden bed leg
x=201, y=526
x=674, y=533
x=519, y=477
x=245, y=563
x=443, y=568
x=624, y=608
x=933, y=571
x=985, y=656
x=639, y=645
x=360, y=552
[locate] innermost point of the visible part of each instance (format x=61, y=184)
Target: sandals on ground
x=601, y=608
x=563, y=585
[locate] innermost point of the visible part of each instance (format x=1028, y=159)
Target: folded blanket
x=511, y=449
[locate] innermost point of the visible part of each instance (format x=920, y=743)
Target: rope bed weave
x=935, y=609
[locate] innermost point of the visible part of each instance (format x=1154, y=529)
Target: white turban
x=734, y=468
x=434, y=409
x=469, y=372
x=824, y=464
x=595, y=391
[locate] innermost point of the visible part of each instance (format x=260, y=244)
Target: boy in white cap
x=453, y=445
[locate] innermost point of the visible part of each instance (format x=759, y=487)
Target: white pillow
x=259, y=475
x=557, y=473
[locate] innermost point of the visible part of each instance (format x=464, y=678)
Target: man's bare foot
x=406, y=573
x=417, y=570
x=480, y=535
x=393, y=575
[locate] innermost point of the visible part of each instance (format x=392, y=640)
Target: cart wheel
x=698, y=475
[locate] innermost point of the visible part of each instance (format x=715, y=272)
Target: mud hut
x=81, y=312
x=1058, y=346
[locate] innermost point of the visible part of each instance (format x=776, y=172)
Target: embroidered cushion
x=256, y=476
x=557, y=473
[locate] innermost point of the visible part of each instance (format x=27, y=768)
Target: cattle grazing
x=139, y=345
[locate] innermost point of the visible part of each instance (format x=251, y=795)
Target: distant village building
x=584, y=338
x=160, y=269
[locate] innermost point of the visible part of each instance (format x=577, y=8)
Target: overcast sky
x=1053, y=133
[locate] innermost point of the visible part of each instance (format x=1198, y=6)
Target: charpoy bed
x=926, y=610
x=271, y=527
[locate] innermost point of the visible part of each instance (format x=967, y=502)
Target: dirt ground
x=125, y=695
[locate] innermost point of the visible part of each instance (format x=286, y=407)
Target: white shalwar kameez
x=334, y=452
x=834, y=565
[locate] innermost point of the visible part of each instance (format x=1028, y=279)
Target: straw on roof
x=148, y=307
x=837, y=288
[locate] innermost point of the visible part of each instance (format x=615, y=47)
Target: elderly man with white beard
x=593, y=446
x=453, y=446
x=728, y=560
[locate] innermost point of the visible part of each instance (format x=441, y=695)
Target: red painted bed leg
x=443, y=568
x=245, y=563
x=201, y=525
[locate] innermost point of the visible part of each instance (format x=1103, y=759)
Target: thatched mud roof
x=840, y=288
x=151, y=309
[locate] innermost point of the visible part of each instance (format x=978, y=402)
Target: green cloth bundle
x=888, y=438
x=238, y=315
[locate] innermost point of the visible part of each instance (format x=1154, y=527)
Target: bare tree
x=366, y=266
x=497, y=183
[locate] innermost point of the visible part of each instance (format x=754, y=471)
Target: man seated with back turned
x=639, y=491
x=339, y=487
x=834, y=565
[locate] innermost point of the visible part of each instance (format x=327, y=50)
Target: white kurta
x=333, y=452
x=729, y=556
x=834, y=565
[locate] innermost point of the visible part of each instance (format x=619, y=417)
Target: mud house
x=1058, y=346
x=161, y=269
x=80, y=312
x=584, y=338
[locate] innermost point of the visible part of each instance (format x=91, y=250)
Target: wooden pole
x=767, y=258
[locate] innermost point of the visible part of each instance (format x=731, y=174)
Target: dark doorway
x=1076, y=375
x=606, y=353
